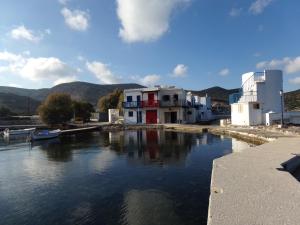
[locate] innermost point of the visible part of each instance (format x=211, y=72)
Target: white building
x=162, y=105
x=260, y=101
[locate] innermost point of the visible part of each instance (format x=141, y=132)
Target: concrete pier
x=252, y=187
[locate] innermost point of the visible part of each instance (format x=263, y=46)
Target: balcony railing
x=250, y=96
x=172, y=103
x=148, y=104
x=132, y=104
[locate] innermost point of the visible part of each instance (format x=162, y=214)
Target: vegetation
x=292, y=100
x=57, y=109
x=4, y=112
x=111, y=101
x=82, y=110
x=21, y=105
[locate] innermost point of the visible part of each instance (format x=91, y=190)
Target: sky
x=193, y=44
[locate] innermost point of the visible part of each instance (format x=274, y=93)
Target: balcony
x=178, y=103
x=127, y=105
x=149, y=104
x=250, y=96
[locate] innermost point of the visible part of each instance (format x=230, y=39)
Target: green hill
x=216, y=93
x=292, y=100
x=19, y=104
x=21, y=100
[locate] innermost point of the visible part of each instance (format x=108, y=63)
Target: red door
x=150, y=98
x=151, y=116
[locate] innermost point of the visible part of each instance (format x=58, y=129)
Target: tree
x=82, y=110
x=57, y=109
x=111, y=101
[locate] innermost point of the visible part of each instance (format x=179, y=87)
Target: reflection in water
x=239, y=146
x=149, y=207
x=128, y=177
x=102, y=161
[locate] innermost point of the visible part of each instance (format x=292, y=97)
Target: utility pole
x=281, y=99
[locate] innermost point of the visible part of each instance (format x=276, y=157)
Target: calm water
x=132, y=177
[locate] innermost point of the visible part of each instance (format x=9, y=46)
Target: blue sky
x=193, y=44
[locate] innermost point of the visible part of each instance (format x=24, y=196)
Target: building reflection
x=239, y=146
x=155, y=146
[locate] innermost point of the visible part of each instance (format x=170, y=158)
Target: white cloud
x=289, y=65
x=65, y=80
x=180, y=71
x=45, y=68
x=295, y=80
x=149, y=80
x=102, y=72
x=224, y=72
x=234, y=12
x=258, y=6
x=9, y=57
x=23, y=33
x=76, y=19
x=144, y=20
x=14, y=85
x=35, y=69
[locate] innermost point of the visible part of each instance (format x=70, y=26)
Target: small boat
x=7, y=132
x=44, y=134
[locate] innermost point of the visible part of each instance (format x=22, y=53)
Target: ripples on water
x=130, y=178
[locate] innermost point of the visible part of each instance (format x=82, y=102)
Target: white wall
x=113, y=115
x=255, y=115
x=240, y=117
x=244, y=114
x=130, y=120
x=273, y=85
x=134, y=95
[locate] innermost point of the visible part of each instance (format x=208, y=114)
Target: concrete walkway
x=250, y=187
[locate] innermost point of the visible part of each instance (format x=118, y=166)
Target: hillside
x=20, y=100
x=16, y=99
x=292, y=100
x=216, y=93
x=18, y=104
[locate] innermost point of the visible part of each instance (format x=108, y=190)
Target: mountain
x=16, y=99
x=20, y=100
x=18, y=104
x=292, y=100
x=216, y=93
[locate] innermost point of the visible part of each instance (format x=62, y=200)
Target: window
x=175, y=97
x=256, y=106
x=138, y=98
x=166, y=98
x=130, y=114
x=129, y=98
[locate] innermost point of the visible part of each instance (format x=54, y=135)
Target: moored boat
x=45, y=134
x=7, y=132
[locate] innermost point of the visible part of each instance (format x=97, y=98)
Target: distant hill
x=292, y=100
x=216, y=93
x=16, y=99
x=20, y=100
x=19, y=104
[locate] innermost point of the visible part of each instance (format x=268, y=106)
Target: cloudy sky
x=193, y=44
